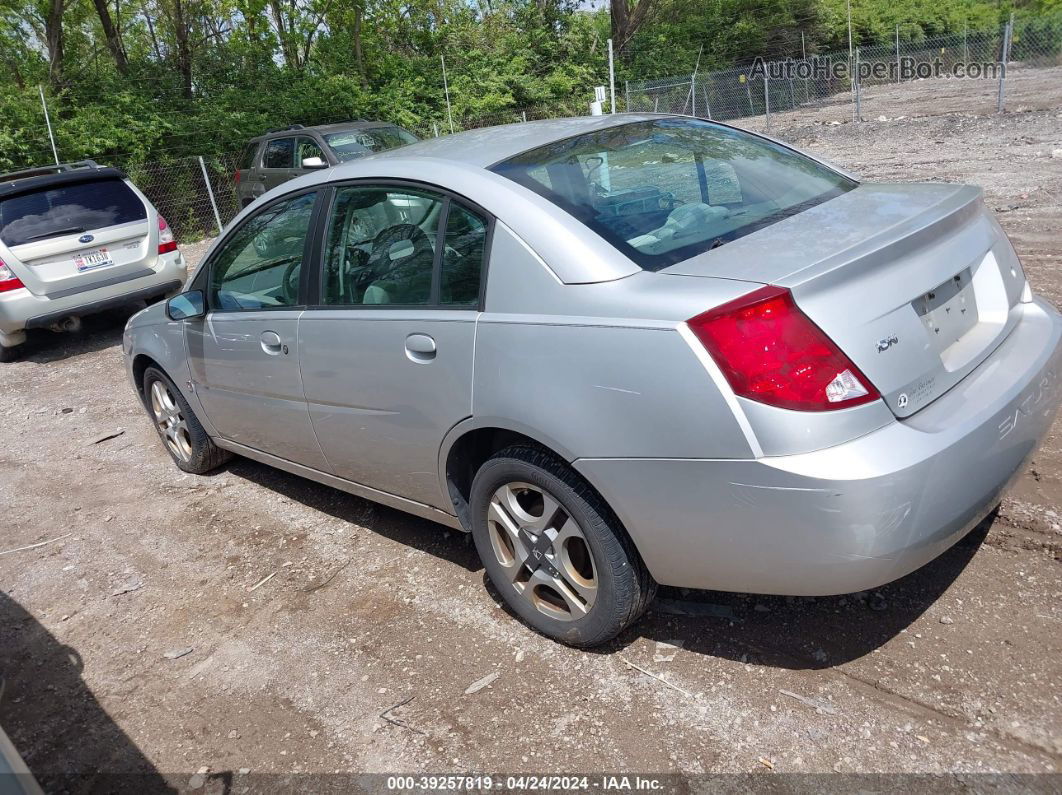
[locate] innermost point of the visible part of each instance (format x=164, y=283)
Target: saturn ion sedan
x=619, y=351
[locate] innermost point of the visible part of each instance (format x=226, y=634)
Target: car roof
x=486, y=146
x=340, y=126
x=29, y=181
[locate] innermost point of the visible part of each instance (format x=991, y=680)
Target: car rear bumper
x=21, y=309
x=856, y=515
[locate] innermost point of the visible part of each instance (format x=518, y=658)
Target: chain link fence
x=969, y=72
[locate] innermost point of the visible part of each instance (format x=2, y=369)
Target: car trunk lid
x=917, y=284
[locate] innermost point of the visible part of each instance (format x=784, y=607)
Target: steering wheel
x=379, y=262
x=289, y=285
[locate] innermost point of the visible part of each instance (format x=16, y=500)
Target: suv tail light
x=771, y=352
x=8, y=280
x=236, y=177
x=166, y=240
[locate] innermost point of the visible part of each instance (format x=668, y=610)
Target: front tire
x=184, y=438
x=554, y=550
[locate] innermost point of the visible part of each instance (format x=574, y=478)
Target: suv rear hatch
x=917, y=284
x=75, y=231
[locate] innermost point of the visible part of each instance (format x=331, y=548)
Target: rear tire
x=10, y=354
x=184, y=438
x=554, y=550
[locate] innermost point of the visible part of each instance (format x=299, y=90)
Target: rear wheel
x=554, y=550
x=183, y=436
x=10, y=354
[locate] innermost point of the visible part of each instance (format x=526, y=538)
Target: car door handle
x=420, y=348
x=272, y=344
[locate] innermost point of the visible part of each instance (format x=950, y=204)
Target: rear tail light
x=8, y=280
x=166, y=240
x=771, y=352
x=236, y=177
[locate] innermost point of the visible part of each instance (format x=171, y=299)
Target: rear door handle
x=272, y=344
x=420, y=348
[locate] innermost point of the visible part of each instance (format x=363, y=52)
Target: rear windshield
x=665, y=190
x=68, y=210
x=358, y=143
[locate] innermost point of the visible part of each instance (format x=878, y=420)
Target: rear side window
x=279, y=153
x=68, y=210
x=247, y=158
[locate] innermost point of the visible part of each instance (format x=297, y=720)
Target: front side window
x=259, y=266
x=307, y=147
x=665, y=190
x=381, y=246
x=68, y=210
x=279, y=153
x=358, y=143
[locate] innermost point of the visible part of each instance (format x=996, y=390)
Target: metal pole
x=48, y=121
x=446, y=89
x=858, y=97
x=965, y=45
x=803, y=49
x=849, y=2
x=435, y=127
x=627, y=95
x=523, y=115
x=611, y=79
x=897, y=52
x=210, y=193
x=1004, y=57
x=767, y=99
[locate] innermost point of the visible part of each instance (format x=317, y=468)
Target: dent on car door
x=387, y=356
x=243, y=355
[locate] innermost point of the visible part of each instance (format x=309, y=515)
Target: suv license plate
x=90, y=260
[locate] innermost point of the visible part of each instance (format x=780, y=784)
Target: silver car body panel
x=584, y=352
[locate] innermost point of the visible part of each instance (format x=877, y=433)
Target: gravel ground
x=136, y=643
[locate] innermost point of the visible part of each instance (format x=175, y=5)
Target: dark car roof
x=14, y=184
x=342, y=126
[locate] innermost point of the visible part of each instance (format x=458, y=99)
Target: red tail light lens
x=771, y=352
x=8, y=280
x=167, y=243
x=236, y=177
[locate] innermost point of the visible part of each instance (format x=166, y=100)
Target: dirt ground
x=147, y=638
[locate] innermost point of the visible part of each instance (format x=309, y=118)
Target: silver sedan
x=619, y=351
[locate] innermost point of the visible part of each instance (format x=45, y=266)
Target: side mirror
x=313, y=162
x=186, y=306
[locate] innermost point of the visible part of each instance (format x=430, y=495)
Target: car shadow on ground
x=802, y=632
x=450, y=545
x=779, y=631
x=96, y=333
x=63, y=733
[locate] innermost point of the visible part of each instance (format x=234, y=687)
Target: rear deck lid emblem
x=85, y=239
x=887, y=342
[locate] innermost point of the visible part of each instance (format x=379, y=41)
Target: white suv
x=76, y=239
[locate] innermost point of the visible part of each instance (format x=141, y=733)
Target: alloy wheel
x=171, y=421
x=542, y=550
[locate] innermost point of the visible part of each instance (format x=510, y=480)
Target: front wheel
x=184, y=437
x=554, y=549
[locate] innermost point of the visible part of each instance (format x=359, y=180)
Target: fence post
x=435, y=127
x=897, y=52
x=210, y=193
x=611, y=80
x=858, y=91
x=1004, y=57
x=627, y=95
x=767, y=98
